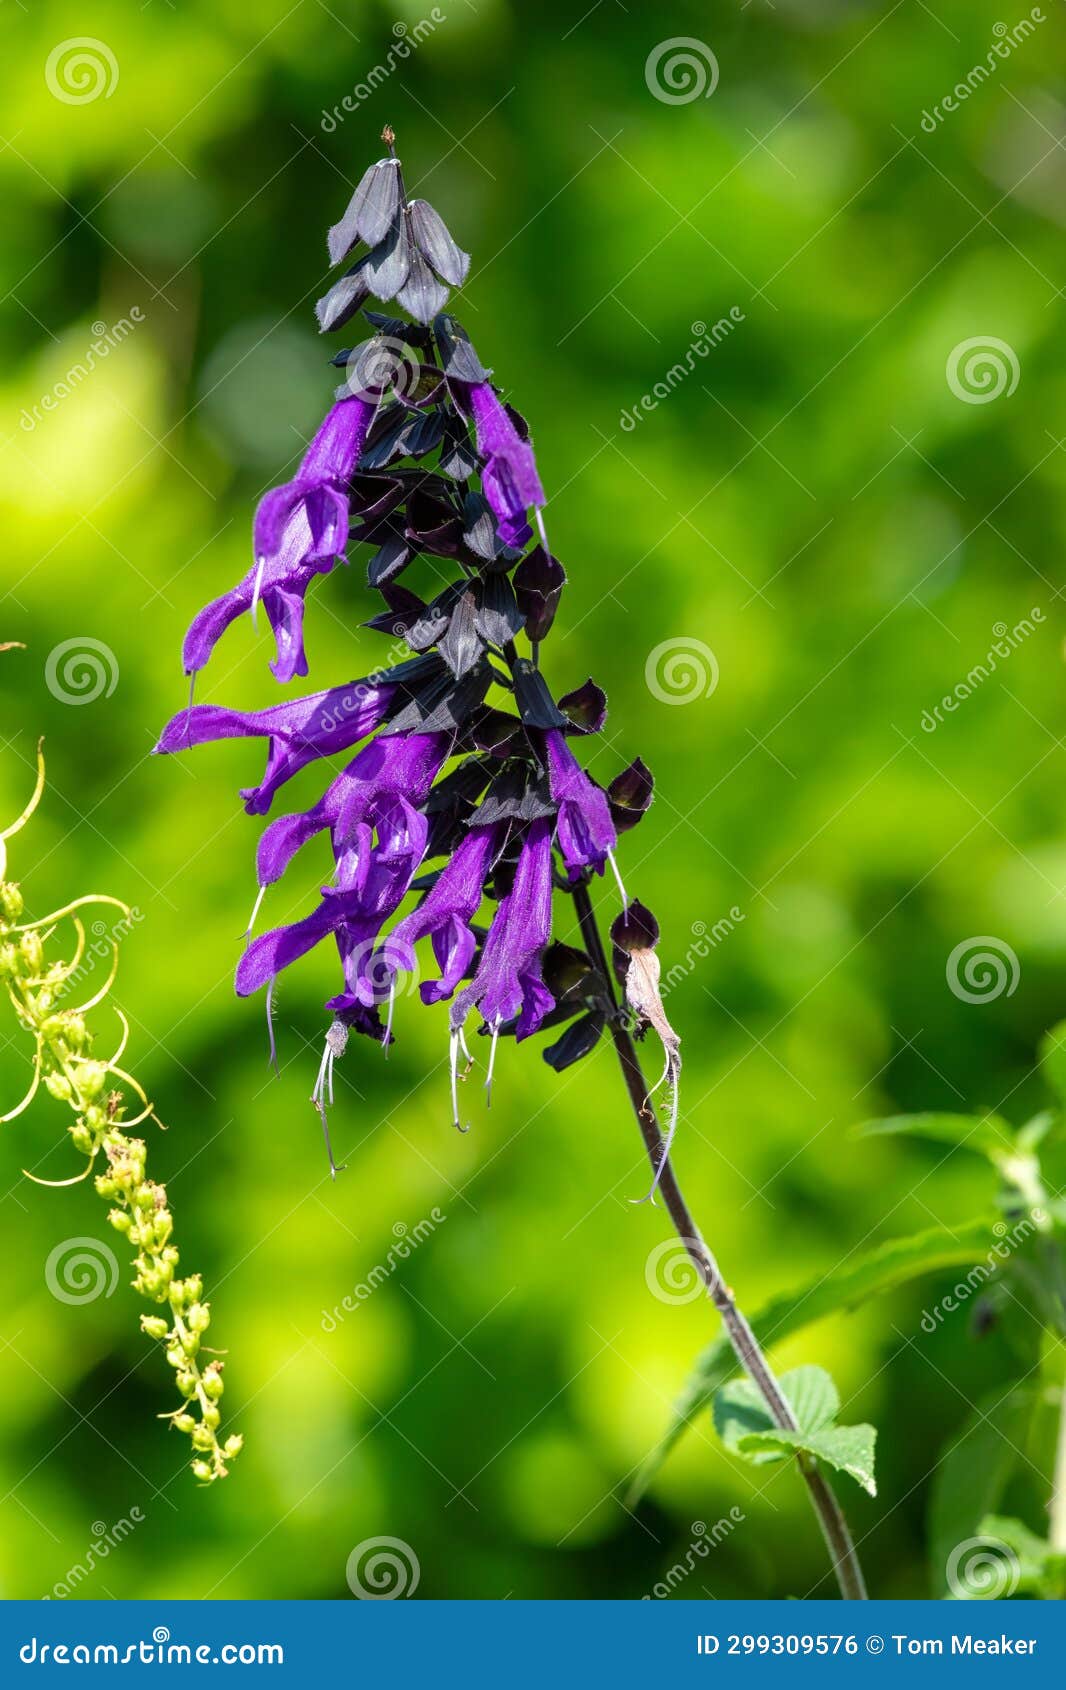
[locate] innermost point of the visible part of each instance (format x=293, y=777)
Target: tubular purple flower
x=301, y=530
x=299, y=731
x=353, y=915
x=266, y=956
x=509, y=478
x=584, y=831
x=508, y=981
x=444, y=916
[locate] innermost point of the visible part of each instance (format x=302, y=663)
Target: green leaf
x=739, y=1409
x=1052, y=1053
x=745, y=1427
x=854, y=1282
x=972, y=1474
x=983, y=1134
x=850, y=1449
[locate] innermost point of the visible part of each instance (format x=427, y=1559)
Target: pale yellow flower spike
x=64, y=1066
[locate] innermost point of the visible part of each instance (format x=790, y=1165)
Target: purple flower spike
x=584, y=830
x=508, y=981
x=444, y=915
x=429, y=471
x=299, y=731
x=509, y=478
x=301, y=529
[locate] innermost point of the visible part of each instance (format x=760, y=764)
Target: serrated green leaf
x=808, y=1391
x=739, y=1409
x=971, y=1476
x=1052, y=1053
x=983, y=1134
x=845, y=1287
x=850, y=1449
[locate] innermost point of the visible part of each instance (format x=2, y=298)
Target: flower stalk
x=746, y=1346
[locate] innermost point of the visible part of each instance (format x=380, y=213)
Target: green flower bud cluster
x=143, y=1216
x=66, y=1067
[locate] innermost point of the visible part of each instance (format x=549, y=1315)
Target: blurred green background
x=811, y=501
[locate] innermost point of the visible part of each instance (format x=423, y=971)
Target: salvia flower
x=299, y=731
x=583, y=828
x=509, y=470
x=429, y=789
x=301, y=530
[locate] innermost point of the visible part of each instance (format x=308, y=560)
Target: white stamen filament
x=323, y=1088
x=671, y=1074
x=388, y=1018
x=618, y=877
x=492, y=1065
x=260, y=566
x=453, y=1058
x=247, y=934
x=539, y=519
x=270, y=1024
x=316, y=1095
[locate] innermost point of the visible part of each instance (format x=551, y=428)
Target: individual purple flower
x=509, y=476
x=299, y=731
x=444, y=916
x=509, y=982
x=301, y=530
x=381, y=788
x=584, y=830
x=353, y=915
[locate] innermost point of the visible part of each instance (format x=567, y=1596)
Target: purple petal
x=584, y=830
x=271, y=952
x=334, y=451
x=508, y=980
x=207, y=628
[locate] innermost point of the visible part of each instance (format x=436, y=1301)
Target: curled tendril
x=64, y=1064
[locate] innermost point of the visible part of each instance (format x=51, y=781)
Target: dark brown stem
x=745, y=1344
